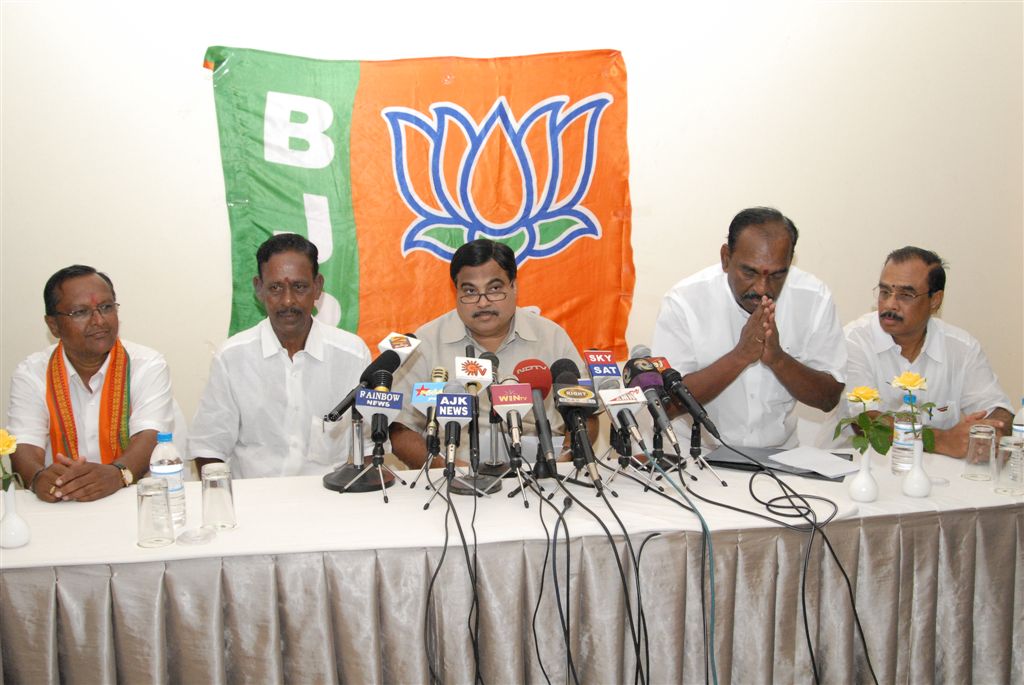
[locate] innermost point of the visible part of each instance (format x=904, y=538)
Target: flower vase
x=13, y=529
x=863, y=487
x=917, y=483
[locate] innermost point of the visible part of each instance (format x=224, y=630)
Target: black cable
x=563, y=615
x=543, y=573
x=618, y=564
x=430, y=592
x=472, y=577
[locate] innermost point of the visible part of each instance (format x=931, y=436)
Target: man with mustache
x=487, y=317
x=87, y=410
x=754, y=335
x=903, y=335
x=270, y=385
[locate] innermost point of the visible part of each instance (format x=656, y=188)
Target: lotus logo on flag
x=545, y=223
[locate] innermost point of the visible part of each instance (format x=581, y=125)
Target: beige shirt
x=531, y=336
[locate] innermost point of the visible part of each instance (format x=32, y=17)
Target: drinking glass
x=979, y=464
x=1010, y=462
x=156, y=528
x=218, y=501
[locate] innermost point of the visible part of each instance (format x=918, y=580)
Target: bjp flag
x=388, y=167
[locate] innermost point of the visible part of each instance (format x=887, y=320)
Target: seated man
x=754, y=335
x=904, y=336
x=86, y=411
x=270, y=385
x=485, y=316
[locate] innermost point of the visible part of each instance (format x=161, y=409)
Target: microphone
x=424, y=398
x=601, y=366
x=536, y=374
x=402, y=344
x=514, y=400
x=681, y=394
x=640, y=373
x=379, y=401
x=620, y=403
x=454, y=409
x=388, y=360
x=575, y=402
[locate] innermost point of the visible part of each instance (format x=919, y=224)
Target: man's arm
x=709, y=382
x=86, y=481
x=953, y=441
x=815, y=388
x=408, y=445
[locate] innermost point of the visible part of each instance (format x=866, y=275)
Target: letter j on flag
x=388, y=167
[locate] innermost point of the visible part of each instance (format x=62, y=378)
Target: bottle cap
x=164, y=437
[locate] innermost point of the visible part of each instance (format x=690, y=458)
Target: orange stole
x=115, y=406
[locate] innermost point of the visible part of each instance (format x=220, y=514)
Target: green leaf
x=860, y=443
x=551, y=231
x=452, y=236
x=864, y=421
x=928, y=439
x=880, y=437
x=514, y=241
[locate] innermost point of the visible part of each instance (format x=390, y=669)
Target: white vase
x=917, y=483
x=13, y=529
x=863, y=487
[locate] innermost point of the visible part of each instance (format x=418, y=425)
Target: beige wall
x=872, y=125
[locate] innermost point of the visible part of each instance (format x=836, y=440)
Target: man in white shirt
x=271, y=385
x=754, y=335
x=87, y=410
x=903, y=335
x=485, y=316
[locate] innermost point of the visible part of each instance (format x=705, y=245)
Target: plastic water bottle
x=166, y=463
x=1018, y=421
x=904, y=431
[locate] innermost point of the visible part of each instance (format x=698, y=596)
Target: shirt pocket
x=326, y=440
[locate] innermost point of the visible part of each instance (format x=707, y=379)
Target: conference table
x=314, y=586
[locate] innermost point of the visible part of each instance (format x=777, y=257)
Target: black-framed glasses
x=81, y=315
x=473, y=298
x=883, y=293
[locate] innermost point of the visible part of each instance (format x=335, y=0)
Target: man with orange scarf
x=87, y=410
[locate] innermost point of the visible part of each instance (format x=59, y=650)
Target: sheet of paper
x=817, y=460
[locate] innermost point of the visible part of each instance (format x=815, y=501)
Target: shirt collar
x=314, y=346
x=73, y=372
x=453, y=330
x=934, y=342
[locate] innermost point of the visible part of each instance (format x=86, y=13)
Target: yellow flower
x=7, y=442
x=863, y=394
x=908, y=380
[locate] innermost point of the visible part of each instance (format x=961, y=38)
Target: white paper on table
x=817, y=460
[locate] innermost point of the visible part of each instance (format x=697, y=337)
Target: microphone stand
x=515, y=468
x=494, y=466
x=433, y=452
x=697, y=455
x=479, y=484
x=346, y=478
x=379, y=434
x=619, y=440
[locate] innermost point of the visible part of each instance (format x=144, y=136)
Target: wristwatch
x=126, y=473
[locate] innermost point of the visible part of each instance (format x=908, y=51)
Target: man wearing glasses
x=486, y=317
x=87, y=410
x=904, y=336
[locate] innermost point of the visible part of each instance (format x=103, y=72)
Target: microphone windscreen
x=567, y=378
x=536, y=373
x=439, y=374
x=388, y=360
x=565, y=366
x=453, y=388
x=609, y=384
x=639, y=351
x=492, y=358
x=641, y=373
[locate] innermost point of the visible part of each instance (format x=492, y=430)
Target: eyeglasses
x=883, y=293
x=81, y=315
x=473, y=298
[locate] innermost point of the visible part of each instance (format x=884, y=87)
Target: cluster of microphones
x=450, y=403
